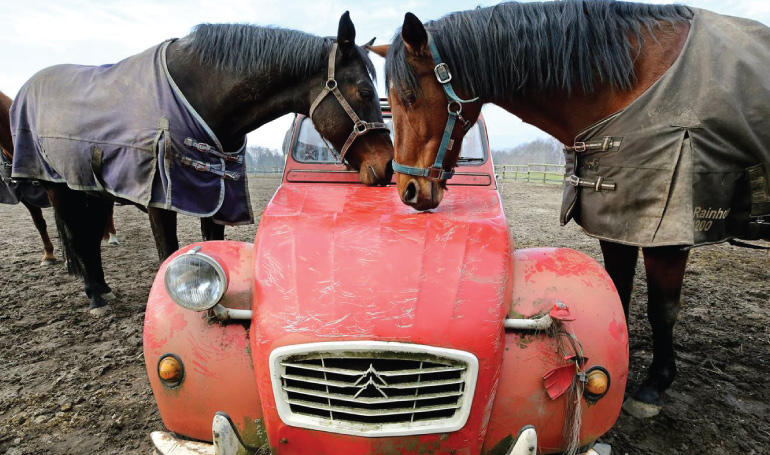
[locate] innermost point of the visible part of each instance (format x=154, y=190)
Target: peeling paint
x=618, y=330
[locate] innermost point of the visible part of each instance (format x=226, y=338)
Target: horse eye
x=365, y=94
x=409, y=99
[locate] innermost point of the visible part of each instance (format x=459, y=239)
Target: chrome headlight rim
x=220, y=271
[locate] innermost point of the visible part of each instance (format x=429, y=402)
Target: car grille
x=371, y=390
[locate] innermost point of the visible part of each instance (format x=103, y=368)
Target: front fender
x=218, y=368
x=541, y=277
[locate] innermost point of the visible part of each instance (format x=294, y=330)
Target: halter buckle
x=443, y=75
x=361, y=127
x=434, y=173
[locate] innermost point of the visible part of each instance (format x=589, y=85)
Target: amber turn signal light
x=597, y=383
x=170, y=370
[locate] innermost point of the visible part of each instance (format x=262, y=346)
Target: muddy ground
x=73, y=384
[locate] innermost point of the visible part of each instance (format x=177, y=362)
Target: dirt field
x=73, y=384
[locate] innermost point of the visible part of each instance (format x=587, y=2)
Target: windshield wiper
x=463, y=159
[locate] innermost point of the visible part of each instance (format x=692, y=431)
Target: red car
x=355, y=325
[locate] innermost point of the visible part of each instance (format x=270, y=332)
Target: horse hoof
x=110, y=296
x=49, y=261
x=99, y=311
x=113, y=240
x=640, y=409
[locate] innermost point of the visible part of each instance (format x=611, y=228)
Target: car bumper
x=226, y=441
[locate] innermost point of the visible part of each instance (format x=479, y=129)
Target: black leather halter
x=360, y=127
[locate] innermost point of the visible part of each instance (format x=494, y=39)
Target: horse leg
x=163, y=223
x=80, y=220
x=620, y=262
x=42, y=228
x=665, y=268
x=110, y=234
x=211, y=230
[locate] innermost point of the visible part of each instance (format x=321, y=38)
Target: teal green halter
x=455, y=109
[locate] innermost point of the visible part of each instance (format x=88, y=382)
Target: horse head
x=429, y=117
x=347, y=111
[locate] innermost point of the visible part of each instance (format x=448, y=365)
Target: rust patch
x=254, y=434
x=501, y=448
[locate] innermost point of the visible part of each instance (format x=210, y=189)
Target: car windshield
x=311, y=148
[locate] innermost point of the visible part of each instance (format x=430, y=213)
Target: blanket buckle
x=598, y=185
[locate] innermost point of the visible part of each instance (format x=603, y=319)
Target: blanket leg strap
x=759, y=183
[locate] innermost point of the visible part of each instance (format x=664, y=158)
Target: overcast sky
x=35, y=34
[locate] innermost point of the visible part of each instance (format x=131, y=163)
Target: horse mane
x=248, y=49
x=5, y=123
x=543, y=47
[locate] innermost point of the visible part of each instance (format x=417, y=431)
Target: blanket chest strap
x=600, y=144
x=598, y=185
x=208, y=167
x=207, y=149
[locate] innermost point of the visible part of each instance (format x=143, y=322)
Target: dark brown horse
x=225, y=80
x=578, y=71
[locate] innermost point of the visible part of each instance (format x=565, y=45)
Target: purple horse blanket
x=127, y=129
x=13, y=191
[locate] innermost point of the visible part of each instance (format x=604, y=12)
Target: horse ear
x=346, y=33
x=414, y=34
x=381, y=50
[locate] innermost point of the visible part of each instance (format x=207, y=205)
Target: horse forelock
x=248, y=49
x=514, y=48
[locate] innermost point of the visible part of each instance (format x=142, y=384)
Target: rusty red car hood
x=342, y=262
x=348, y=263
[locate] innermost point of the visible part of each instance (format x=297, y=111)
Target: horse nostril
x=410, y=193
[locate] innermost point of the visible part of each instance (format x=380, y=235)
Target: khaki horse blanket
x=127, y=130
x=688, y=162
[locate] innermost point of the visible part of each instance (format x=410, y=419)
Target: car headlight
x=195, y=281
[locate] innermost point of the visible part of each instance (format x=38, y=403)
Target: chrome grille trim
x=336, y=396
x=406, y=385
x=373, y=389
x=383, y=373
x=361, y=412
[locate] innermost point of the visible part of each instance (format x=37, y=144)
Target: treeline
x=547, y=150
x=263, y=159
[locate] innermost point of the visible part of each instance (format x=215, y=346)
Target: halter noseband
x=455, y=109
x=360, y=127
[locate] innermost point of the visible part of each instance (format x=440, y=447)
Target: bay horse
x=210, y=89
x=6, y=144
x=32, y=196
x=663, y=110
